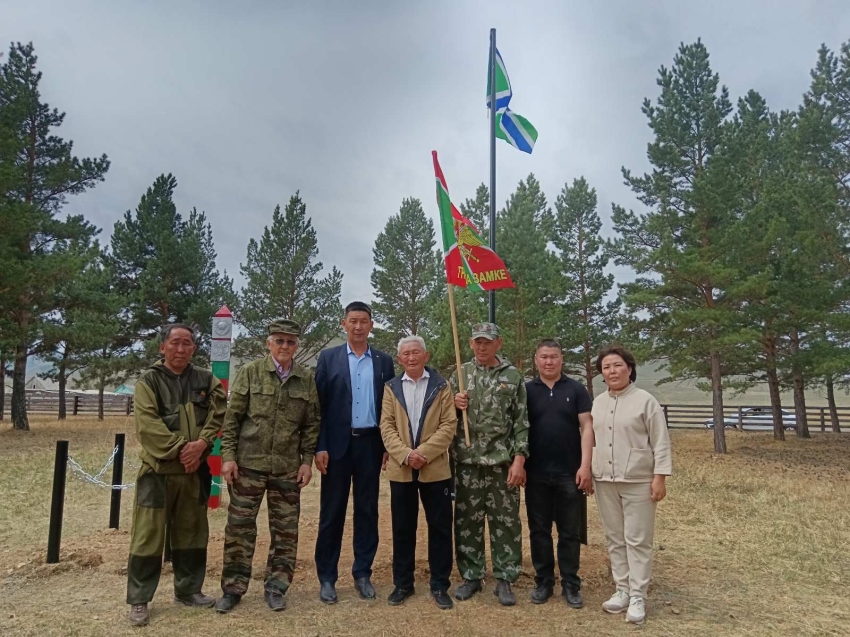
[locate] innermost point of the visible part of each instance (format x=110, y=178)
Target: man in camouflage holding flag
x=267, y=445
x=491, y=471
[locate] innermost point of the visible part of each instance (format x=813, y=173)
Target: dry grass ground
x=754, y=543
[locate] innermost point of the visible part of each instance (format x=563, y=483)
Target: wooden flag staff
x=457, y=360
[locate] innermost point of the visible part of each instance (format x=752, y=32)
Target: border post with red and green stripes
x=222, y=332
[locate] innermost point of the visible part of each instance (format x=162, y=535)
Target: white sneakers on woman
x=620, y=602
x=637, y=611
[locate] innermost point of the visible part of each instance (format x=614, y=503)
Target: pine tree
x=528, y=312
x=406, y=275
x=108, y=353
x=754, y=174
x=77, y=320
x=589, y=318
x=477, y=210
x=676, y=247
x=825, y=123
x=283, y=280
x=165, y=268
x=825, y=134
x=37, y=174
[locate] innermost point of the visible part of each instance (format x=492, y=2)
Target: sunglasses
x=280, y=342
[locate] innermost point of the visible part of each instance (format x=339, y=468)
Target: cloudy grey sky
x=246, y=102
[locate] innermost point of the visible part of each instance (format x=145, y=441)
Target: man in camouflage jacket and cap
x=267, y=446
x=179, y=409
x=490, y=472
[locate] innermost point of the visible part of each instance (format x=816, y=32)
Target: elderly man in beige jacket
x=631, y=461
x=418, y=423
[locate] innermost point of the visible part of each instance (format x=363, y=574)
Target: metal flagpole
x=493, y=161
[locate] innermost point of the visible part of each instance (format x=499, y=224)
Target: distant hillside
x=686, y=392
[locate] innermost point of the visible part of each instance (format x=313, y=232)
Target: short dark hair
x=358, y=306
x=548, y=342
x=166, y=330
x=623, y=353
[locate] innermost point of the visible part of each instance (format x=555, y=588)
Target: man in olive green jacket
x=179, y=410
x=267, y=447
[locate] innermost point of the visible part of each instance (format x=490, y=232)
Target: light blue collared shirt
x=362, y=389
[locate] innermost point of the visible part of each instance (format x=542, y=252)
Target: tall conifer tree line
x=738, y=248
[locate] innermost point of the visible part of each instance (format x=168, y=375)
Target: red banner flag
x=469, y=261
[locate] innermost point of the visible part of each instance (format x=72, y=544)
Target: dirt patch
x=37, y=568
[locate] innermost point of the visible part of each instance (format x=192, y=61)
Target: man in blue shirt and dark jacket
x=350, y=382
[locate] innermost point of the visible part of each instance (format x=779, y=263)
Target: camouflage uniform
x=171, y=410
x=498, y=430
x=270, y=430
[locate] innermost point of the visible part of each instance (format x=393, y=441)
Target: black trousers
x=437, y=502
x=360, y=467
x=555, y=498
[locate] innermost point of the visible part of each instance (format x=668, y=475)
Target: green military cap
x=284, y=326
x=485, y=330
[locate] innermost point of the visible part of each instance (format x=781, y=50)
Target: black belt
x=365, y=431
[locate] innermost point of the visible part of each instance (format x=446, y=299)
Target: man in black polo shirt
x=558, y=472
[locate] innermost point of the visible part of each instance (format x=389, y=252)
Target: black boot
x=398, y=595
x=328, y=593
x=573, y=597
x=275, y=600
x=364, y=587
x=442, y=599
x=227, y=602
x=504, y=593
x=466, y=590
x=195, y=600
x=541, y=593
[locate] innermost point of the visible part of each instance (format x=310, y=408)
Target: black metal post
x=57, y=503
x=117, y=477
x=492, y=293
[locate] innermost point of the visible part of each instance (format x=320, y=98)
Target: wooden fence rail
x=678, y=416
x=76, y=404
x=696, y=416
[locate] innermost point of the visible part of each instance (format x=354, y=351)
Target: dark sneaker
x=541, y=593
x=139, y=615
x=442, y=599
x=227, y=602
x=275, y=600
x=365, y=588
x=195, y=600
x=504, y=593
x=573, y=597
x=398, y=596
x=466, y=590
x=328, y=593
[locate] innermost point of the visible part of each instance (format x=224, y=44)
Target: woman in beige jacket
x=631, y=460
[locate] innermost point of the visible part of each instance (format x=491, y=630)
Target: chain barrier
x=97, y=480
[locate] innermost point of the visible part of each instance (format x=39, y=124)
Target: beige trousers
x=628, y=518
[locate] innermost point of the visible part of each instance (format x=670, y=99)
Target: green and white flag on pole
x=510, y=126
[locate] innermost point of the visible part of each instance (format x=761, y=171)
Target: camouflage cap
x=485, y=330
x=284, y=326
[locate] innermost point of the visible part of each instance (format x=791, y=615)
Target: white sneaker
x=637, y=611
x=618, y=603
